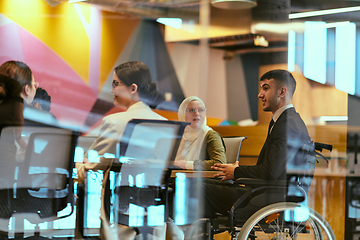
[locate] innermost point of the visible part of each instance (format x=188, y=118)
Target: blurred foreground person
x=23, y=74
x=20, y=90
x=201, y=147
x=133, y=89
x=19, y=87
x=11, y=112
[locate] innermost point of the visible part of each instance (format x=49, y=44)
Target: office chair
x=147, y=149
x=233, y=147
x=43, y=186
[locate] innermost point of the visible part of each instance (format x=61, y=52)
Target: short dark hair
x=18, y=71
x=282, y=78
x=139, y=73
x=43, y=98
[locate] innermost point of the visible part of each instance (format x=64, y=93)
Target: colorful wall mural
x=72, y=50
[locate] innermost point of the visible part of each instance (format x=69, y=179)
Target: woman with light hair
x=201, y=147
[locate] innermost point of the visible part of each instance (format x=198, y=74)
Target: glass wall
x=216, y=51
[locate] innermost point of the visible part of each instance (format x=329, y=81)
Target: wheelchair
x=272, y=209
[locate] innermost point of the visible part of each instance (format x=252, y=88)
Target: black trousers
x=218, y=196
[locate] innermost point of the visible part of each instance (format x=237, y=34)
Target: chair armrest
x=254, y=182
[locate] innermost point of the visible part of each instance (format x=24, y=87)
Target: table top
x=193, y=173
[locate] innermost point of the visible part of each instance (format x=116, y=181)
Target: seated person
x=42, y=100
x=133, y=89
x=11, y=112
x=201, y=147
x=286, y=135
x=23, y=75
x=17, y=82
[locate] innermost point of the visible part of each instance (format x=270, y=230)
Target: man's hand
x=227, y=170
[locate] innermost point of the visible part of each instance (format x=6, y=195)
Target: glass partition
x=216, y=51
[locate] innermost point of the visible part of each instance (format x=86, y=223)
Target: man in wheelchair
x=287, y=156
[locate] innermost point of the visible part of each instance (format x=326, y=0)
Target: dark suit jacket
x=282, y=145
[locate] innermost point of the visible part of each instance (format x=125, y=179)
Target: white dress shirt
x=278, y=112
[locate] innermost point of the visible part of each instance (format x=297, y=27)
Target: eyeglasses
x=115, y=84
x=193, y=110
x=36, y=84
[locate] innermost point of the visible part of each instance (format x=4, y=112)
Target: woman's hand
x=227, y=170
x=180, y=163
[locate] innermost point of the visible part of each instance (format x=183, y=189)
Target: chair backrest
x=233, y=147
x=147, y=147
x=46, y=174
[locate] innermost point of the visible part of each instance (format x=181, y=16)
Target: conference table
x=193, y=173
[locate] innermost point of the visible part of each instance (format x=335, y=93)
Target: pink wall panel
x=10, y=46
x=72, y=99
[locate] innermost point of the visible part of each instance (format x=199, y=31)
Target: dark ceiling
x=266, y=11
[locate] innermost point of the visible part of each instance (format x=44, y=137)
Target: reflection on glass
x=109, y=155
x=180, y=199
x=156, y=215
x=79, y=154
x=93, y=203
x=291, y=51
x=93, y=156
x=136, y=215
x=131, y=180
x=345, y=37
x=140, y=180
x=299, y=214
x=315, y=51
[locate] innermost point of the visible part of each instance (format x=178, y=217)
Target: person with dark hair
x=9, y=88
x=133, y=89
x=287, y=133
x=42, y=100
x=2, y=93
x=14, y=93
x=22, y=74
x=19, y=87
x=11, y=103
x=11, y=110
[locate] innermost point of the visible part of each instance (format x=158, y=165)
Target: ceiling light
x=234, y=4
x=323, y=12
x=172, y=22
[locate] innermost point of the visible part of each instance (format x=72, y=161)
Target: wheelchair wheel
x=286, y=221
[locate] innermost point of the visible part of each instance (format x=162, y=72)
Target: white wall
x=186, y=62
x=237, y=96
